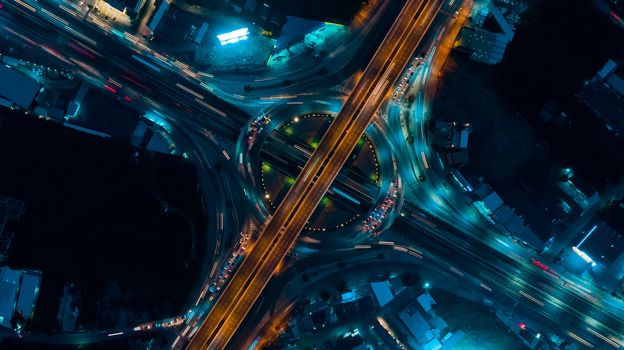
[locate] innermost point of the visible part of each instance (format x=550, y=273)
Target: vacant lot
x=483, y=329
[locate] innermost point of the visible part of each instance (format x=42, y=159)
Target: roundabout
x=276, y=145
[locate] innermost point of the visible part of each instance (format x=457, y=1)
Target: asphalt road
x=334, y=148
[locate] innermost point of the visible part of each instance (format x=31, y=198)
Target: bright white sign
x=233, y=36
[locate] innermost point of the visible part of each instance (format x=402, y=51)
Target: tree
x=218, y=167
x=410, y=279
x=18, y=320
x=342, y=287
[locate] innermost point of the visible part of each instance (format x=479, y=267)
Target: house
x=382, y=292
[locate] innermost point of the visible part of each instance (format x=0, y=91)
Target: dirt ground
x=502, y=145
x=483, y=329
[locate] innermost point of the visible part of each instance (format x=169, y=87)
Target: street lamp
x=427, y=285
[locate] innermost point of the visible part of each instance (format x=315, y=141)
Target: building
x=491, y=205
x=388, y=341
x=150, y=138
x=9, y=283
x=426, y=301
x=355, y=308
x=114, y=8
x=604, y=95
x=10, y=209
x=451, y=339
x=487, y=42
x=261, y=14
x=382, y=292
x=457, y=159
x=451, y=135
x=583, y=193
x=19, y=290
x=294, y=31
x=602, y=250
x=174, y=26
x=416, y=324
x=351, y=341
x=16, y=89
x=161, y=7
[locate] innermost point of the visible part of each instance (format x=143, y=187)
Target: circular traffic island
x=354, y=191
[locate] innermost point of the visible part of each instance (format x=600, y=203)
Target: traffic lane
x=259, y=282
x=352, y=257
x=21, y=28
x=295, y=192
x=345, y=147
x=295, y=225
x=451, y=237
x=295, y=148
x=355, y=101
x=292, y=230
x=349, y=180
x=120, y=55
x=232, y=292
x=375, y=27
x=468, y=241
x=33, y=27
x=503, y=275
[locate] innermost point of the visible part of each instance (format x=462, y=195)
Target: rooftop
x=16, y=87
x=426, y=301
x=382, y=292
x=415, y=323
x=18, y=292
x=604, y=95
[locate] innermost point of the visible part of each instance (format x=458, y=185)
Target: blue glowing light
x=233, y=36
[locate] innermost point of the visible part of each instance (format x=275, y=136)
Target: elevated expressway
x=281, y=231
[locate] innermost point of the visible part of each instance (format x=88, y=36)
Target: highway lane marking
x=530, y=297
x=206, y=86
x=68, y=10
x=611, y=342
x=214, y=109
x=54, y=17
x=190, y=73
x=619, y=341
x=414, y=253
x=424, y=159
x=226, y=155
x=26, y=39
x=457, y=272
x=197, y=95
x=115, y=334
x=89, y=49
x=580, y=340
x=26, y=5
x=260, y=264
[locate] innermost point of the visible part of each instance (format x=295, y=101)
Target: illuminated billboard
x=233, y=36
